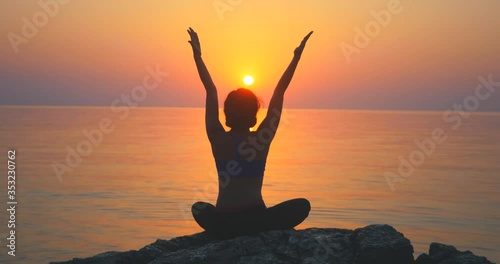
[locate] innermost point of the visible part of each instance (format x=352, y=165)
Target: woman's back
x=240, y=160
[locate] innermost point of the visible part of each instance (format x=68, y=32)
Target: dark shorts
x=285, y=215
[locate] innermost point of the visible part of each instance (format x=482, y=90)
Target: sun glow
x=248, y=80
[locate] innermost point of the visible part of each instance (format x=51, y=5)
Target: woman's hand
x=195, y=42
x=300, y=48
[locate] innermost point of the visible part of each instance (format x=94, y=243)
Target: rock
x=446, y=254
x=382, y=243
x=373, y=244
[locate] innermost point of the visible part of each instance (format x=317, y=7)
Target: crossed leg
x=285, y=215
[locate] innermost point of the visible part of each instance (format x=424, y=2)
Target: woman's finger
x=307, y=36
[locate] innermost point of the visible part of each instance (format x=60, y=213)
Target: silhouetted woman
x=240, y=157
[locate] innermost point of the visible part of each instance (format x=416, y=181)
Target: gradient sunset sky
x=428, y=57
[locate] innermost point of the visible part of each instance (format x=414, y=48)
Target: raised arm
x=212, y=123
x=276, y=104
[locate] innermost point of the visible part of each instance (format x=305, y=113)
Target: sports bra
x=253, y=168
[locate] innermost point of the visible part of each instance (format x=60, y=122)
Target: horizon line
x=291, y=108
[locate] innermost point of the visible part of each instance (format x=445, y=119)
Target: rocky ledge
x=369, y=245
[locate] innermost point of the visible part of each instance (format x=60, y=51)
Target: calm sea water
x=138, y=184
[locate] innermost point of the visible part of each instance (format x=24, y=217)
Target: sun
x=248, y=80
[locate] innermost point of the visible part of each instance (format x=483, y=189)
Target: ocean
x=90, y=180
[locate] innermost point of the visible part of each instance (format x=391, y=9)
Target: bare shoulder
x=220, y=143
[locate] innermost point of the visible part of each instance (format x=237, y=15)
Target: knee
x=197, y=207
x=304, y=204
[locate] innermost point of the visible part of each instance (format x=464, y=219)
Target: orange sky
x=428, y=56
